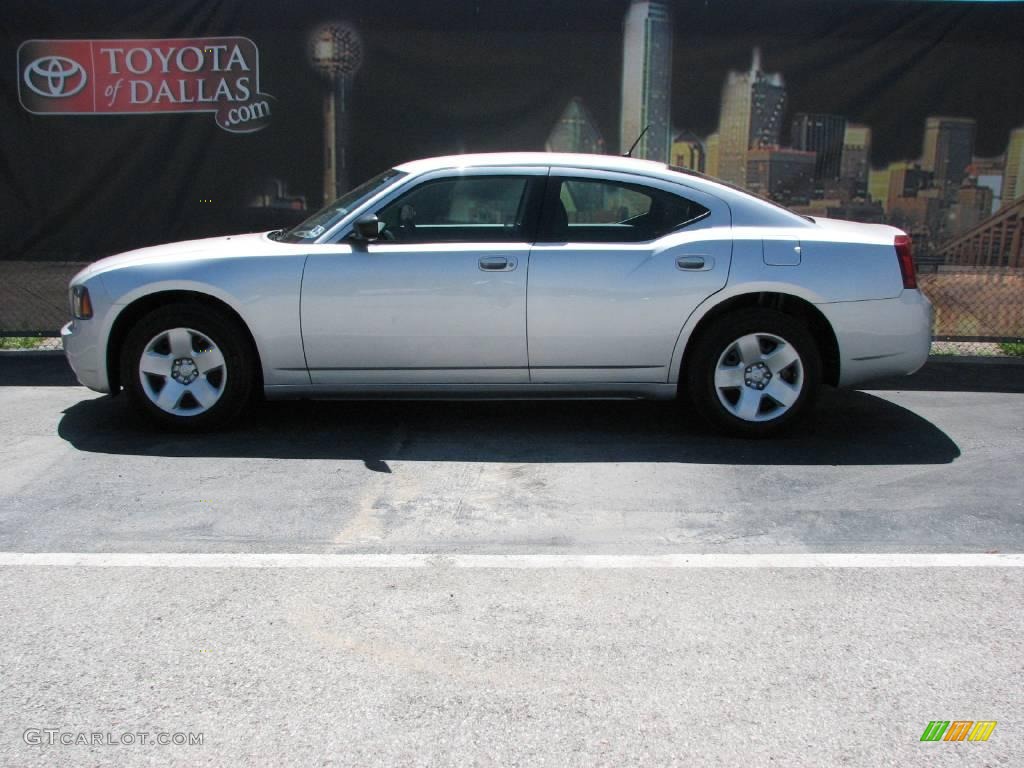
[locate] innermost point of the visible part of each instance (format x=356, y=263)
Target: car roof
x=601, y=162
x=747, y=209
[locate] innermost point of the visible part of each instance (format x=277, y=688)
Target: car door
x=620, y=263
x=440, y=298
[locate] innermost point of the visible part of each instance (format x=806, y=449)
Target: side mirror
x=368, y=227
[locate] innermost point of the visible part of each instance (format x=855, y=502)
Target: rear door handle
x=497, y=264
x=694, y=263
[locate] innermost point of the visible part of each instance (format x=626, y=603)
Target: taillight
x=906, y=258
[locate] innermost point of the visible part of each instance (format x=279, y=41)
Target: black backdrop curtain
x=440, y=77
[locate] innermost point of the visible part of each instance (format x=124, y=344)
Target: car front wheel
x=754, y=372
x=188, y=367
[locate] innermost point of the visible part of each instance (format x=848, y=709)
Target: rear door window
x=605, y=211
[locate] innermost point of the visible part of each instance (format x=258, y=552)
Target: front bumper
x=85, y=354
x=883, y=337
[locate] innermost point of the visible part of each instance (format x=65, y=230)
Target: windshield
x=328, y=216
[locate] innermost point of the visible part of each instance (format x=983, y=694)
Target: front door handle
x=694, y=263
x=497, y=264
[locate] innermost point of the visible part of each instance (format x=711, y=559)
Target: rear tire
x=754, y=373
x=188, y=367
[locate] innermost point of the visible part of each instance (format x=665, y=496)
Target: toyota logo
x=55, y=76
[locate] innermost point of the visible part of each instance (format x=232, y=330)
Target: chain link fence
x=978, y=310
x=34, y=302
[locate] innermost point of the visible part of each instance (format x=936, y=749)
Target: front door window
x=464, y=209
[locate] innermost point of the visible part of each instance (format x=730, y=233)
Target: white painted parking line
x=292, y=560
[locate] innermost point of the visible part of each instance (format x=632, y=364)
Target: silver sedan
x=509, y=275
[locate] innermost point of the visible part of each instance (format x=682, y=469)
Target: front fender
x=263, y=291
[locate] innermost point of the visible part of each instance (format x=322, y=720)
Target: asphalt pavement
x=621, y=662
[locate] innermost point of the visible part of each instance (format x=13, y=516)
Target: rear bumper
x=884, y=337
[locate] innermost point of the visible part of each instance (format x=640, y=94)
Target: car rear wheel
x=188, y=367
x=754, y=372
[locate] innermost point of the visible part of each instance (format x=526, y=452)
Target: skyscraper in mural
x=1013, y=175
x=753, y=103
x=823, y=135
x=948, y=150
x=711, y=145
x=781, y=173
x=647, y=80
x=575, y=131
x=856, y=160
x=989, y=172
x=688, y=151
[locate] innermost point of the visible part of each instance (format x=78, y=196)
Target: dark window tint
x=458, y=210
x=597, y=211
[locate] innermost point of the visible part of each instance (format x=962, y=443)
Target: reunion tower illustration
x=336, y=52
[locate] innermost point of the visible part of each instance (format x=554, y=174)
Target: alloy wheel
x=182, y=372
x=759, y=377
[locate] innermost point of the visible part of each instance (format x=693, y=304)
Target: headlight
x=81, y=304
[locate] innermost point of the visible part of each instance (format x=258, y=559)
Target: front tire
x=188, y=367
x=754, y=373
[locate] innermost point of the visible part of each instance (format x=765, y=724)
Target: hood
x=228, y=246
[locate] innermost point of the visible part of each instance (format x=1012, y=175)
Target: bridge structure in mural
x=998, y=241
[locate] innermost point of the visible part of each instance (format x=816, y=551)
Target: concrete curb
x=976, y=359
x=33, y=352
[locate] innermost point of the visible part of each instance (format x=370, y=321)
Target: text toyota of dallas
x=510, y=276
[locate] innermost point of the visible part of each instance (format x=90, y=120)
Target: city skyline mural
x=815, y=163
x=899, y=111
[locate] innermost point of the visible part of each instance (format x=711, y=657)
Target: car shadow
x=36, y=369
x=959, y=375
x=50, y=369
x=848, y=428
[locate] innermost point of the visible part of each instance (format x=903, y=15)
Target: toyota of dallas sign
x=132, y=77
